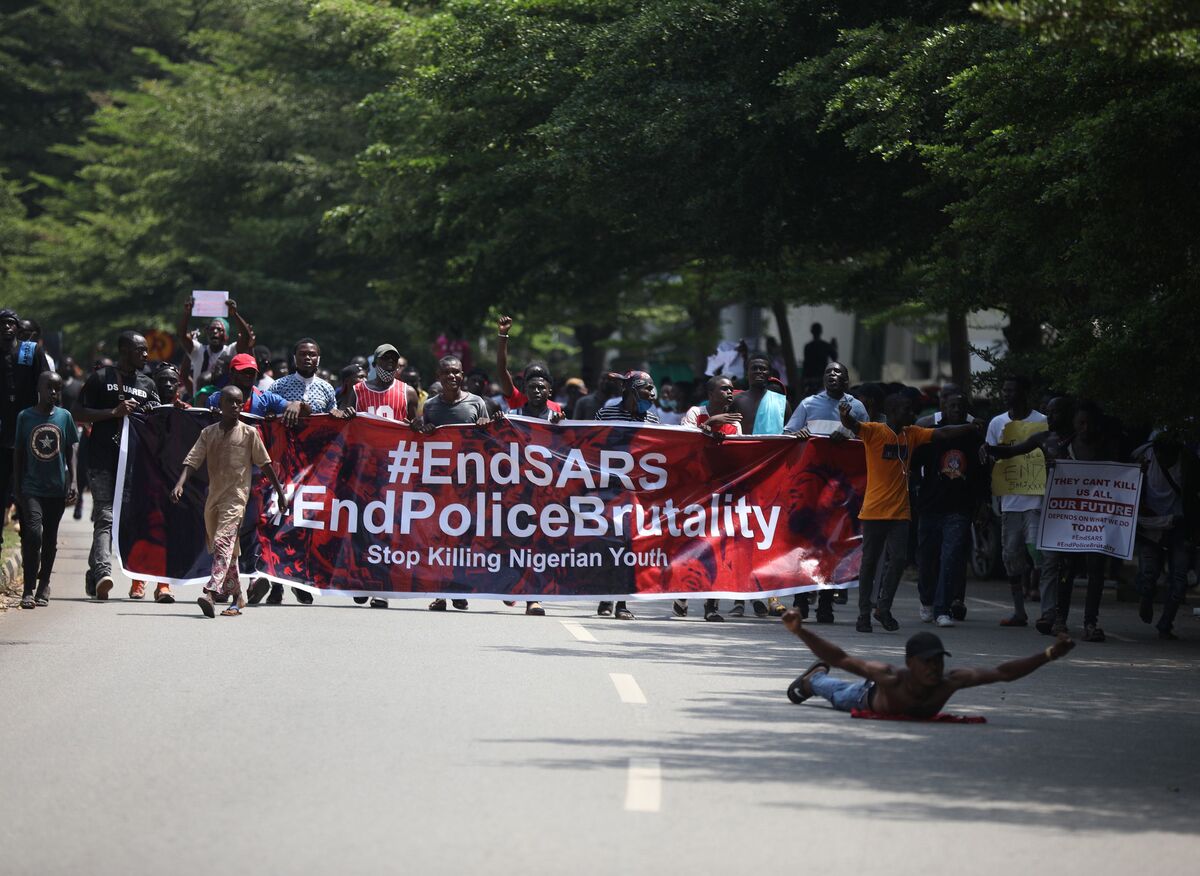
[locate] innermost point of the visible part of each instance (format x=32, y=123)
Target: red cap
x=243, y=362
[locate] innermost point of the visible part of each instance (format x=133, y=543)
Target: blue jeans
x=843, y=695
x=1173, y=550
x=942, y=558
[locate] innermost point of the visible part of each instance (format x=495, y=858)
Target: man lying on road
x=919, y=689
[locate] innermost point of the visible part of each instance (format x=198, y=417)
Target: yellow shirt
x=231, y=456
x=889, y=457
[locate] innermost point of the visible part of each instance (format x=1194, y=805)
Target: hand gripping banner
x=519, y=510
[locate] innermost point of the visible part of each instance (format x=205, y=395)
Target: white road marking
x=578, y=631
x=627, y=688
x=643, y=788
x=989, y=602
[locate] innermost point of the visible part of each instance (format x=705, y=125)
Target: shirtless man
x=763, y=412
x=919, y=689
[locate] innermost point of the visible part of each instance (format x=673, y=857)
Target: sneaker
x=944, y=620
x=103, y=587
x=864, y=624
x=137, y=590
x=163, y=594
x=259, y=588
x=679, y=607
x=1146, y=609
x=1092, y=633
x=89, y=587
x=460, y=604
x=362, y=600
x=535, y=609
x=604, y=609
x=886, y=620
x=775, y=607
x=302, y=596
x=738, y=610
x=958, y=610
x=623, y=613
x=27, y=601
x=711, y=614
x=926, y=614
x=841, y=597
x=275, y=597
x=437, y=605
x=824, y=617
x=378, y=603
x=41, y=600
x=760, y=608
x=1044, y=625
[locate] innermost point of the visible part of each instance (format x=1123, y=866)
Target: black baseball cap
x=925, y=646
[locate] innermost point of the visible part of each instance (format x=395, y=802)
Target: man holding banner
x=1019, y=483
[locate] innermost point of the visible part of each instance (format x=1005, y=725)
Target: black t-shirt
x=952, y=480
x=19, y=370
x=105, y=389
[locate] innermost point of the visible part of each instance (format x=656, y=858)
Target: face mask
x=644, y=405
x=385, y=375
x=667, y=404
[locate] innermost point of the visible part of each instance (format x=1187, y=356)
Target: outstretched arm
x=1007, y=451
x=1013, y=669
x=245, y=335
x=827, y=652
x=949, y=433
x=502, y=326
x=846, y=413
x=185, y=336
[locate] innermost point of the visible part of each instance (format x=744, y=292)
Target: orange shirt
x=889, y=459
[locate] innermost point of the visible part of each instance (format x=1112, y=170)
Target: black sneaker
x=378, y=603
x=738, y=610
x=679, y=607
x=460, y=604
x=604, y=609
x=886, y=620
x=623, y=613
x=257, y=590
x=302, y=596
x=864, y=624
x=361, y=600
x=824, y=617
x=275, y=597
x=1045, y=626
x=841, y=597
x=958, y=610
x=760, y=608
x=437, y=605
x=1146, y=609
x=710, y=611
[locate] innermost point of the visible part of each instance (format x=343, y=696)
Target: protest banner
x=1091, y=507
x=208, y=303
x=518, y=510
x=1023, y=475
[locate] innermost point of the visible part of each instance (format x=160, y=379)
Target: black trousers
x=39, y=540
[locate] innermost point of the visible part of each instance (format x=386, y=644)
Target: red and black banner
x=521, y=509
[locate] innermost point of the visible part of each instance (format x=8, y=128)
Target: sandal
x=775, y=607
x=27, y=601
x=232, y=611
x=206, y=605
x=738, y=610
x=41, y=601
x=163, y=596
x=795, y=691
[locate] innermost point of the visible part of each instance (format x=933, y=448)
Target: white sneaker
x=944, y=620
x=926, y=614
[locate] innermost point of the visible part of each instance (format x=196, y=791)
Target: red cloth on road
x=939, y=718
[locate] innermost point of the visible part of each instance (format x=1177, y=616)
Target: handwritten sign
x=1091, y=507
x=1022, y=475
x=207, y=303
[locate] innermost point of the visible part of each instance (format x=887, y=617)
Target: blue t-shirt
x=46, y=439
x=260, y=403
x=822, y=408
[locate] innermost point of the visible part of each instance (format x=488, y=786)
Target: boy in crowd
x=43, y=483
x=231, y=448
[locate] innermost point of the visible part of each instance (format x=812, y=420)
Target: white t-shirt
x=994, y=432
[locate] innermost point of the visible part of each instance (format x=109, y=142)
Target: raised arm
x=846, y=413
x=245, y=335
x=503, y=324
x=185, y=336
x=827, y=652
x=1013, y=669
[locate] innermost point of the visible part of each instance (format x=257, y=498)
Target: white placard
x=208, y=303
x=1091, y=507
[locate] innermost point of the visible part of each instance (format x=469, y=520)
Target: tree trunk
x=788, y=346
x=960, y=350
x=591, y=352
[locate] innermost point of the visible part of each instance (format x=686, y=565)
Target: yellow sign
x=1021, y=475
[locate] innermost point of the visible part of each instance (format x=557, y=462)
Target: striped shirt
x=391, y=403
x=616, y=411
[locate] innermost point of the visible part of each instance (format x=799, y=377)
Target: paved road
x=336, y=738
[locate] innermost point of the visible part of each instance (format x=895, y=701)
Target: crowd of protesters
x=928, y=483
